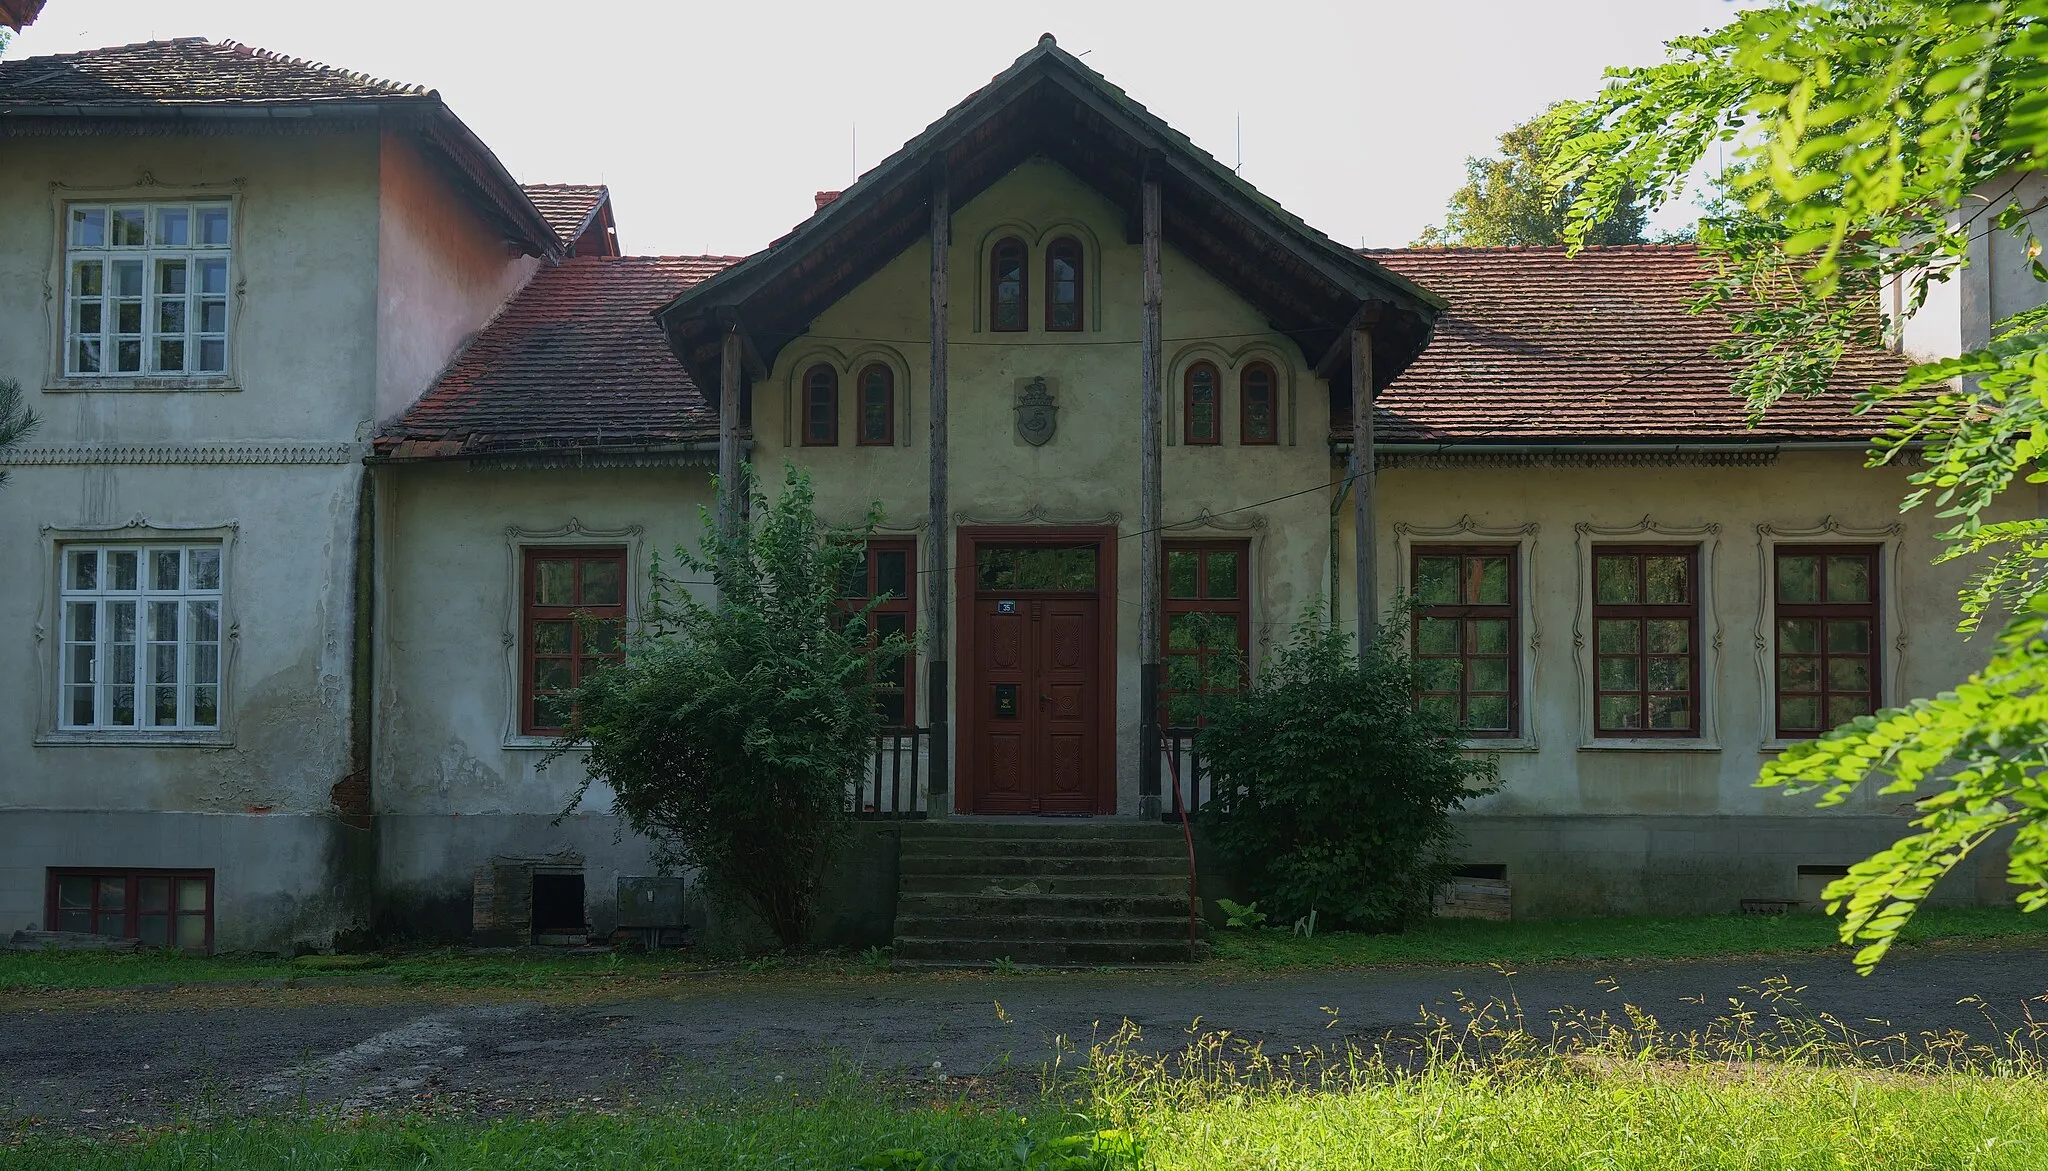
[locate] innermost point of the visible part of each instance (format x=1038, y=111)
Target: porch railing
x=1180, y=759
x=893, y=785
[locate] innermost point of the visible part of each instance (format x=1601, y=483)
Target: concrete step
x=920, y=951
x=1099, y=885
x=1005, y=827
x=1037, y=846
x=1040, y=927
x=1080, y=906
x=915, y=862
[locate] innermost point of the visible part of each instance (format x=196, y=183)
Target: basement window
x=161, y=908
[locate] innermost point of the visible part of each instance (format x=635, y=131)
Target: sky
x=715, y=123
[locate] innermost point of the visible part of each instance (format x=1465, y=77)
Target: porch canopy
x=1048, y=103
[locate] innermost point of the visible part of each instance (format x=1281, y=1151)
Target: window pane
x=154, y=930
x=1442, y=706
x=128, y=283
x=191, y=894
x=1223, y=573
x=550, y=712
x=213, y=281
x=115, y=924
x=1436, y=580
x=1614, y=580
x=1670, y=674
x=83, y=615
x=121, y=702
x=1670, y=713
x=192, y=932
x=170, y=315
x=1489, y=581
x=128, y=355
x=1798, y=579
x=170, y=277
x=130, y=226
x=206, y=705
x=601, y=585
x=170, y=356
x=85, y=569
x=125, y=564
x=1183, y=632
x=205, y=569
x=213, y=225
x=173, y=226
x=121, y=616
x=1620, y=636
x=1202, y=404
x=601, y=636
x=1851, y=636
x=1219, y=633
x=164, y=565
x=1621, y=674
x=164, y=706
x=1488, y=674
x=113, y=894
x=1664, y=580
x=1798, y=673
x=1487, y=713
x=205, y=619
x=1436, y=636
x=1037, y=569
x=1490, y=635
x=551, y=638
x=213, y=355
x=1848, y=674
x=1439, y=674
x=996, y=568
x=1624, y=712
x=153, y=894
x=554, y=583
x=89, y=227
x=1843, y=708
x=892, y=573
x=87, y=278
x=1670, y=636
x=1799, y=635
x=1077, y=568
x=1181, y=569
x=74, y=891
x=551, y=675
x=1799, y=713
x=1848, y=579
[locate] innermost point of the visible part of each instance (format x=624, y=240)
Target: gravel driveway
x=95, y=1068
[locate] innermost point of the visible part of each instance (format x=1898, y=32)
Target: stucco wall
x=442, y=273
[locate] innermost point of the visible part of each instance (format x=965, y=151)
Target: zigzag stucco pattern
x=185, y=453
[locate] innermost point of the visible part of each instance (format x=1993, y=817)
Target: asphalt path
x=103, y=1068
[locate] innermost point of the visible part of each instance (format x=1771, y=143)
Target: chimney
x=825, y=197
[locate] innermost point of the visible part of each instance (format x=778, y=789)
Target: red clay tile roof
x=186, y=71
x=567, y=207
x=17, y=13
x=1540, y=347
x=575, y=360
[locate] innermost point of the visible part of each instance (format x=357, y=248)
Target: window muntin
x=1825, y=636
x=877, y=388
x=1008, y=287
x=1202, y=423
x=1646, y=647
x=162, y=908
x=574, y=607
x=1207, y=619
x=1466, y=636
x=1063, y=285
x=1257, y=421
x=146, y=288
x=141, y=637
x=885, y=571
x=821, y=407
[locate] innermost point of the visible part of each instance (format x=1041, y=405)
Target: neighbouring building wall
x=264, y=461
x=1597, y=826
x=1963, y=312
x=442, y=273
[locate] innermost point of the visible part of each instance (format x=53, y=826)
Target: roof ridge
x=149, y=44
x=248, y=50
x=1644, y=246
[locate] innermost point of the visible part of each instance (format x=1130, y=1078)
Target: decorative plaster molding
x=1036, y=515
x=138, y=521
x=1480, y=458
x=1708, y=537
x=1891, y=540
x=574, y=532
x=1468, y=529
x=1464, y=525
x=1251, y=521
x=185, y=453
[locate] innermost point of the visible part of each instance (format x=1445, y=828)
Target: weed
x=1241, y=915
x=1005, y=967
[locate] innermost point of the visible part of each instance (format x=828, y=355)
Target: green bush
x=1333, y=791
x=732, y=732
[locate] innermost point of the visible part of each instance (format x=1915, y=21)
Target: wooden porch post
x=1361, y=481
x=937, y=530
x=1149, y=510
x=729, y=375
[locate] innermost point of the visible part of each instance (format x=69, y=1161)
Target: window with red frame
x=1646, y=617
x=161, y=908
x=877, y=406
x=1201, y=420
x=1008, y=287
x=574, y=616
x=1826, y=636
x=885, y=571
x=1466, y=636
x=821, y=407
x=1257, y=422
x=1207, y=616
x=1063, y=285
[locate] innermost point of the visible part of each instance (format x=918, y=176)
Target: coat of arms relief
x=1037, y=413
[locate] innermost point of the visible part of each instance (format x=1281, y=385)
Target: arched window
x=1257, y=421
x=877, y=406
x=1199, y=418
x=1007, y=287
x=1063, y=285
x=821, y=407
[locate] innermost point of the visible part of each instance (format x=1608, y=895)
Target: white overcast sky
x=714, y=123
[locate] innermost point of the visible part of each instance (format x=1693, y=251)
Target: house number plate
x=1006, y=607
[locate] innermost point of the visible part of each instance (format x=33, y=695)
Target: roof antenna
x=1239, y=169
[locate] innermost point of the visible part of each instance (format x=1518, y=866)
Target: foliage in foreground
x=1510, y=200
x=1333, y=790
x=732, y=732
x=1872, y=139
x=17, y=422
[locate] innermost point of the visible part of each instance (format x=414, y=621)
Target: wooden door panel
x=1066, y=674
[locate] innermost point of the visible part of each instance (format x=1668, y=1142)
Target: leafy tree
x=16, y=420
x=732, y=732
x=1872, y=138
x=1510, y=199
x=1333, y=791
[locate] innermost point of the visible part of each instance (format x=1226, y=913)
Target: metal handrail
x=1187, y=835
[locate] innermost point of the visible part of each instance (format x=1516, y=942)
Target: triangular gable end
x=1049, y=103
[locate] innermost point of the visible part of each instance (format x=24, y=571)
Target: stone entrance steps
x=1042, y=892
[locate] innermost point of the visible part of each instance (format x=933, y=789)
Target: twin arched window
x=1202, y=412
x=1009, y=286
x=875, y=400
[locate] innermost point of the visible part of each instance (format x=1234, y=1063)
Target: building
x=288, y=641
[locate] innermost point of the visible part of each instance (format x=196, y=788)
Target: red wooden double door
x=1037, y=685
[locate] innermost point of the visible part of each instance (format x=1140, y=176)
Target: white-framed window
x=141, y=636
x=146, y=288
